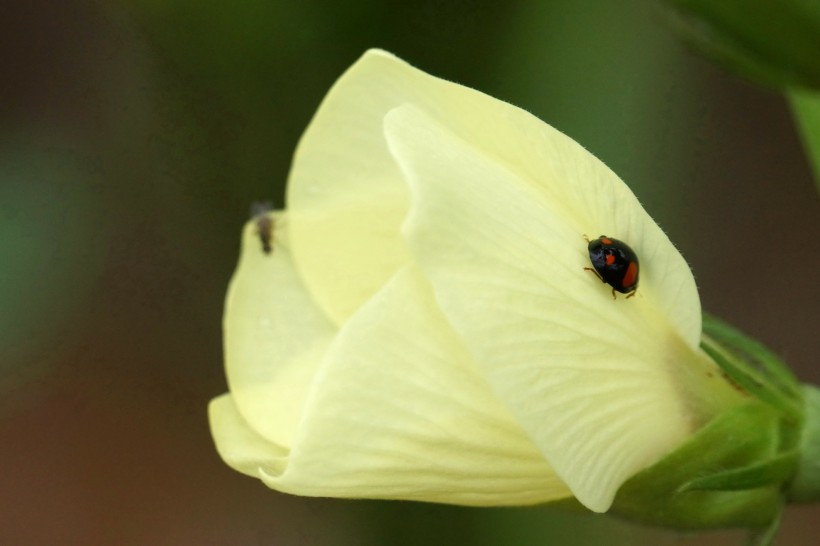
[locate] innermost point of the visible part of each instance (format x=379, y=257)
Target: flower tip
x=378, y=52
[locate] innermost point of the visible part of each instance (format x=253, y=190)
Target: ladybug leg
x=614, y=297
x=631, y=294
x=596, y=274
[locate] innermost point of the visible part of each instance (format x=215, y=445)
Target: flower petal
x=595, y=382
x=400, y=411
x=347, y=197
x=242, y=448
x=274, y=337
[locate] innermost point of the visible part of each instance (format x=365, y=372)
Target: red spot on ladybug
x=615, y=263
x=631, y=275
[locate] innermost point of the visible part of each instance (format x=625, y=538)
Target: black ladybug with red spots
x=615, y=263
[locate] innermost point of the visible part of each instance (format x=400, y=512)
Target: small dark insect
x=264, y=224
x=615, y=263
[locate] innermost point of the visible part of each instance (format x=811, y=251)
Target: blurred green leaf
x=51, y=256
x=776, y=43
x=806, y=111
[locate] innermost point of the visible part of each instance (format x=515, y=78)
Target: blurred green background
x=133, y=137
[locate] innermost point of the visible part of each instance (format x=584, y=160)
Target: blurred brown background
x=133, y=137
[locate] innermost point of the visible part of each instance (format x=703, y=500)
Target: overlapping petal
x=239, y=445
x=399, y=411
x=604, y=387
x=274, y=337
x=394, y=408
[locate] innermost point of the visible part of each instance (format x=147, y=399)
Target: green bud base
x=719, y=478
x=741, y=468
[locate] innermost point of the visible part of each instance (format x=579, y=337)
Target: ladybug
x=615, y=263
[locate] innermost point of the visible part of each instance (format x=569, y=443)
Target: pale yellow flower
x=424, y=327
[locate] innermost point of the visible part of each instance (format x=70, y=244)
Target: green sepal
x=739, y=438
x=778, y=469
x=753, y=353
x=752, y=382
x=755, y=370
